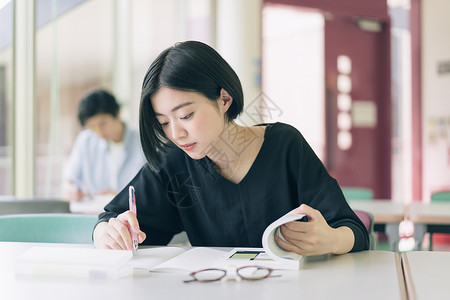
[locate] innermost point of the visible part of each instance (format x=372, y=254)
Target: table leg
x=393, y=236
x=419, y=233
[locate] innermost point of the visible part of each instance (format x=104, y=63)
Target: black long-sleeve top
x=190, y=195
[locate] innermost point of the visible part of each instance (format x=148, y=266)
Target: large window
x=82, y=45
x=74, y=53
x=6, y=34
x=86, y=47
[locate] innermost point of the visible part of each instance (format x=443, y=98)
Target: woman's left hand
x=315, y=237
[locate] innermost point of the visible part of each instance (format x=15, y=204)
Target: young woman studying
x=221, y=182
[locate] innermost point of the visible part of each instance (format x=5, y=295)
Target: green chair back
x=47, y=228
x=441, y=196
x=355, y=193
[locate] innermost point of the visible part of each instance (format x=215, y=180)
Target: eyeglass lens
x=253, y=273
x=209, y=275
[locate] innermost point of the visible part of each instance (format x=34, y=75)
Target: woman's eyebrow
x=176, y=108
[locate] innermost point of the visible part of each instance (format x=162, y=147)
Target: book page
x=240, y=257
x=148, y=258
x=192, y=260
x=270, y=246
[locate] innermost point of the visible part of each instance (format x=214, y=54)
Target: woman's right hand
x=115, y=234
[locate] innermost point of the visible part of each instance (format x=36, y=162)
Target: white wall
x=153, y=28
x=293, y=76
x=238, y=40
x=435, y=96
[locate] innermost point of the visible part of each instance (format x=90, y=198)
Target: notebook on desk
x=73, y=262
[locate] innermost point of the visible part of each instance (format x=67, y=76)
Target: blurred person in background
x=106, y=155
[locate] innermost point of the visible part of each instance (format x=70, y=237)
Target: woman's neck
x=235, y=150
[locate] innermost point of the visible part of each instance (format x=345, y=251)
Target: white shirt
x=116, y=151
x=93, y=164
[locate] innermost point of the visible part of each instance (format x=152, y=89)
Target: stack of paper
x=74, y=262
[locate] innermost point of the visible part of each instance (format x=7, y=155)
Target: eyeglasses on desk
x=245, y=273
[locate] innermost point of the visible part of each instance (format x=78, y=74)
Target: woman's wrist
x=96, y=235
x=343, y=240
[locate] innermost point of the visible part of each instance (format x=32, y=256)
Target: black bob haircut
x=97, y=102
x=187, y=66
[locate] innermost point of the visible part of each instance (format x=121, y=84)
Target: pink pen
x=132, y=203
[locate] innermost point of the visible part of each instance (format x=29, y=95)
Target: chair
x=357, y=193
x=47, y=228
x=367, y=219
x=443, y=196
x=438, y=197
x=12, y=205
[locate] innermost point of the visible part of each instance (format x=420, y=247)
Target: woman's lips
x=188, y=147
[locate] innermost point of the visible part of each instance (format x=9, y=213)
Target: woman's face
x=190, y=120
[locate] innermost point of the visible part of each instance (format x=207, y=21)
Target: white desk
x=362, y=275
x=91, y=206
x=426, y=274
x=427, y=217
x=385, y=212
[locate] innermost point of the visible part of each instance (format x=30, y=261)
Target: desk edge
x=410, y=288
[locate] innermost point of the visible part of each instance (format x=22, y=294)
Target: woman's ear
x=225, y=100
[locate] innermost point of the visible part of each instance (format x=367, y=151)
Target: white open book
x=90, y=262
x=271, y=255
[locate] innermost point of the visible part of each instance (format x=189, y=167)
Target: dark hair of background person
x=97, y=102
x=187, y=66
